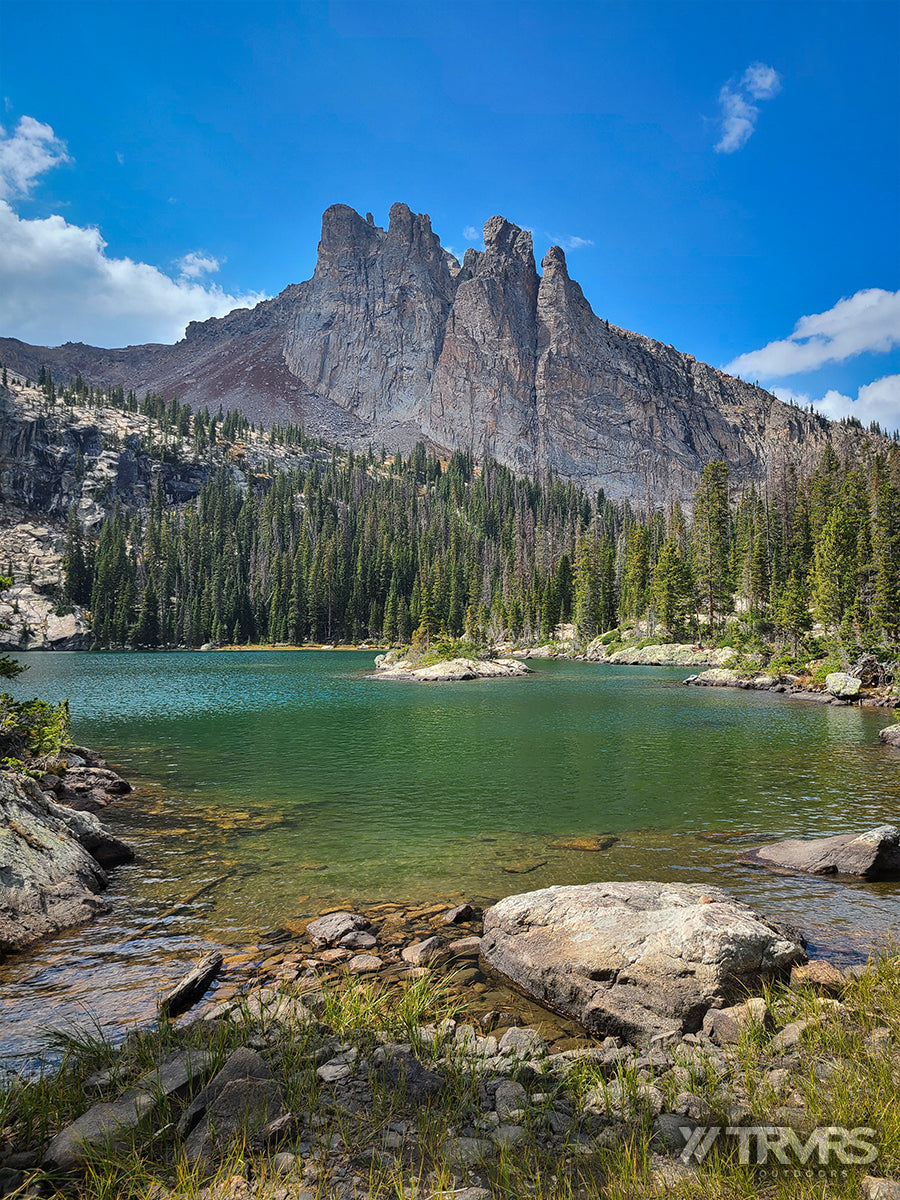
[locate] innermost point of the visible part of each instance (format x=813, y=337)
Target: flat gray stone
x=240, y=1109
x=467, y=1151
x=872, y=855
x=241, y=1065
x=110, y=1125
x=403, y=1070
x=522, y=1042
x=422, y=954
x=511, y=1098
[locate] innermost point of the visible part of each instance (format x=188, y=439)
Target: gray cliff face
x=392, y=341
x=483, y=392
x=369, y=326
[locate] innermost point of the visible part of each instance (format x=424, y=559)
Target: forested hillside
x=377, y=548
x=287, y=541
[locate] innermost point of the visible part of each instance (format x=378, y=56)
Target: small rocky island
x=417, y=667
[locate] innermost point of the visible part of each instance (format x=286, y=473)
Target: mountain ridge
x=393, y=340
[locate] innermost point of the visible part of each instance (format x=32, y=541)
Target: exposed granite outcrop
x=453, y=670
x=393, y=340
x=50, y=864
x=874, y=854
x=665, y=654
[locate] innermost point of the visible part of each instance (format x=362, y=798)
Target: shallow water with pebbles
x=271, y=786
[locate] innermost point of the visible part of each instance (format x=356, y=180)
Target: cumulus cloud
x=569, y=241
x=738, y=115
x=57, y=282
x=25, y=154
x=869, y=320
x=877, y=401
x=471, y=234
x=195, y=264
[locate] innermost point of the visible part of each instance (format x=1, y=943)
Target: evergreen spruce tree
x=711, y=540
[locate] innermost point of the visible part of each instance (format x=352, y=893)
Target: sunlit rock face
x=392, y=340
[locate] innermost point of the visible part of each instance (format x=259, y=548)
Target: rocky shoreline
x=54, y=852
x=305, y=1080
x=840, y=688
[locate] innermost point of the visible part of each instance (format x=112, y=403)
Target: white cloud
x=738, y=121
x=120, y=158
x=57, y=283
x=471, y=234
x=867, y=321
x=195, y=264
x=24, y=155
x=761, y=82
x=877, y=401
x=738, y=115
x=569, y=241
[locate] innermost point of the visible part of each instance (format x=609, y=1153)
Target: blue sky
x=719, y=172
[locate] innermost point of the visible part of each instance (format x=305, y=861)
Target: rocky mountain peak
x=346, y=233
x=392, y=341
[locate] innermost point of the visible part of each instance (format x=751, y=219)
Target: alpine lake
x=273, y=785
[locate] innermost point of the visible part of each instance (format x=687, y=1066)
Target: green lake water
x=307, y=783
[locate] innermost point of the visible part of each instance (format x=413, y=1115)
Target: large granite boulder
x=890, y=735
x=842, y=685
x=634, y=959
x=873, y=855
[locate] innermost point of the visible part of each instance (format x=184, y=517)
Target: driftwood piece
x=192, y=987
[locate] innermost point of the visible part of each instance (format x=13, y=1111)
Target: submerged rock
x=873, y=855
x=634, y=959
x=591, y=843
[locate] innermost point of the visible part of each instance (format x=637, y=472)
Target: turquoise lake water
x=307, y=783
